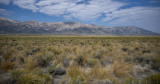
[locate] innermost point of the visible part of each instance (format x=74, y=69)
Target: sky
x=140, y=13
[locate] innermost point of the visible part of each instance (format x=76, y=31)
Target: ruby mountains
x=8, y=26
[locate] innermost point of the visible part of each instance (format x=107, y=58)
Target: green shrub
x=82, y=60
x=74, y=71
x=130, y=80
x=30, y=79
x=44, y=60
x=7, y=65
x=8, y=54
x=121, y=70
x=156, y=64
x=51, y=68
x=53, y=49
x=30, y=63
x=93, y=62
x=78, y=80
x=16, y=73
x=111, y=80
x=99, y=54
x=99, y=72
x=46, y=77
x=153, y=79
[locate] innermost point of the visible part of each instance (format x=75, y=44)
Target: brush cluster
x=79, y=60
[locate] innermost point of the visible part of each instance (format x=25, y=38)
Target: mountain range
x=8, y=26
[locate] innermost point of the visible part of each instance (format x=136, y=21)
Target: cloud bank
x=91, y=10
x=5, y=12
x=79, y=9
x=6, y=2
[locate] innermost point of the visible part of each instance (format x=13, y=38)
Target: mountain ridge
x=8, y=26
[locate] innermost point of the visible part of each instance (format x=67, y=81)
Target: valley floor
x=79, y=60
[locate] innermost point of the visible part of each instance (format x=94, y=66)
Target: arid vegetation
x=79, y=60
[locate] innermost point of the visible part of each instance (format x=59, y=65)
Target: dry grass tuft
x=30, y=63
x=99, y=72
x=91, y=59
x=152, y=79
x=74, y=71
x=82, y=59
x=76, y=74
x=7, y=65
x=121, y=69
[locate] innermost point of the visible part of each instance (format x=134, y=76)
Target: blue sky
x=140, y=13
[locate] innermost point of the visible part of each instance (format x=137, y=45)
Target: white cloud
x=26, y=4
x=154, y=1
x=146, y=17
x=90, y=10
x=6, y=2
x=42, y=3
x=4, y=12
x=57, y=9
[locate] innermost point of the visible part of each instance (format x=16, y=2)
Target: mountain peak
x=69, y=23
x=8, y=26
x=5, y=19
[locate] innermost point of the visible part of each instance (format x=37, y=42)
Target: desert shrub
x=65, y=62
x=110, y=48
x=125, y=49
x=74, y=71
x=130, y=80
x=60, y=59
x=146, y=51
x=36, y=76
x=142, y=60
x=108, y=81
x=30, y=63
x=46, y=77
x=17, y=73
x=34, y=50
x=60, y=65
x=156, y=64
x=121, y=69
x=86, y=59
x=31, y=51
x=20, y=48
x=99, y=72
x=82, y=79
x=82, y=59
x=128, y=59
x=138, y=59
x=76, y=74
x=27, y=52
x=79, y=80
x=53, y=49
x=70, y=57
x=8, y=54
x=51, y=68
x=68, y=50
x=21, y=60
x=30, y=79
x=7, y=65
x=99, y=54
x=153, y=79
x=111, y=80
x=43, y=60
x=136, y=49
x=0, y=61
x=93, y=62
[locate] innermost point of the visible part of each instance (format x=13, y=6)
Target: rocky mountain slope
x=8, y=26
